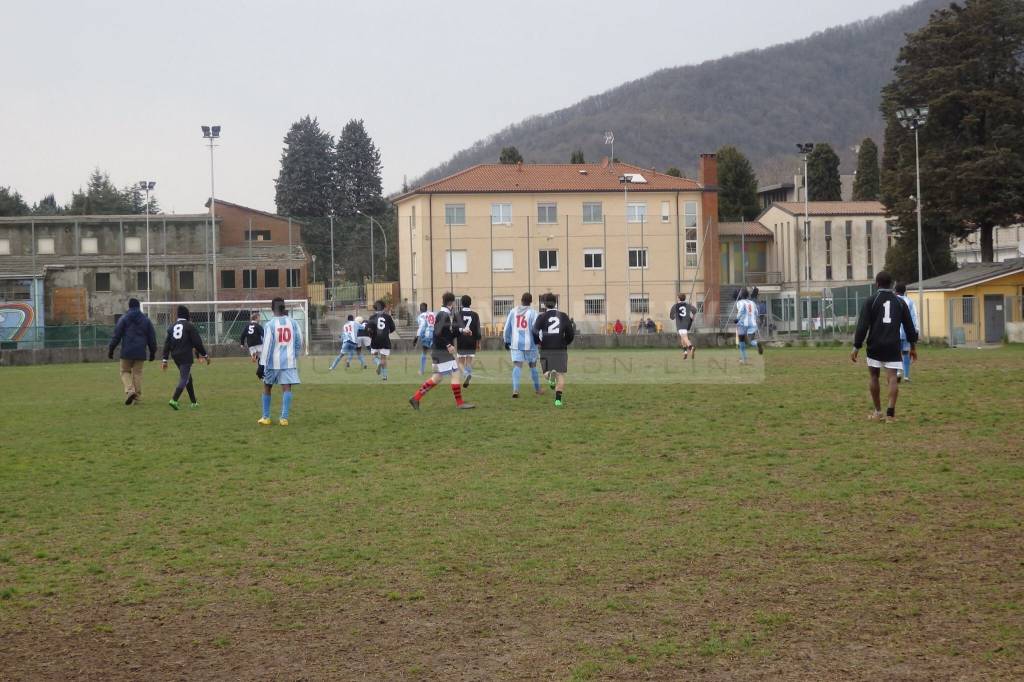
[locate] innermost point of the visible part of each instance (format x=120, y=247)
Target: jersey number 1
x=885, y=317
x=284, y=334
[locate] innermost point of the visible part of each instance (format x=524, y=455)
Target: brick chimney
x=711, y=265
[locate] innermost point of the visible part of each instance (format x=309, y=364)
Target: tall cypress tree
x=357, y=169
x=823, y=174
x=577, y=157
x=866, y=185
x=966, y=63
x=305, y=181
x=737, y=186
x=510, y=155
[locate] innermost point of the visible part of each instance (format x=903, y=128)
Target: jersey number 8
x=178, y=331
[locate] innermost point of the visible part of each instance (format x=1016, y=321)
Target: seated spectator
x=618, y=328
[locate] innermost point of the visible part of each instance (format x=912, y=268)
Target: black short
x=554, y=360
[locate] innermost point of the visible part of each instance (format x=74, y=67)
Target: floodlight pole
x=805, y=149
x=212, y=133
x=625, y=180
x=913, y=118
x=146, y=186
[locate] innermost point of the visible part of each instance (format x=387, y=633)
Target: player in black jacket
x=682, y=312
x=555, y=331
x=381, y=326
x=468, y=340
x=880, y=320
x=183, y=344
x=442, y=353
x=252, y=337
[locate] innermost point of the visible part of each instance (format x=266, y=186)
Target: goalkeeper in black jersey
x=183, y=344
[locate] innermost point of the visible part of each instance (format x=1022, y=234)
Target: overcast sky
x=125, y=86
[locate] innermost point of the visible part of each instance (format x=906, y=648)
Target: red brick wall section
x=234, y=221
x=708, y=177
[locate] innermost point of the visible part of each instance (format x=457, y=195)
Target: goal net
x=223, y=321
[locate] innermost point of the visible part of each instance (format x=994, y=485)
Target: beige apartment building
x=612, y=241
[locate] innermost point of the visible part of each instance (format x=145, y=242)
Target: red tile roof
x=754, y=231
x=553, y=177
x=840, y=208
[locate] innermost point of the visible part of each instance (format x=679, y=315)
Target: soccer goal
x=223, y=321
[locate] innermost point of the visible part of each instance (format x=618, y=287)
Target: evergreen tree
x=47, y=206
x=866, y=185
x=674, y=172
x=357, y=169
x=737, y=186
x=823, y=174
x=11, y=203
x=305, y=181
x=510, y=155
x=577, y=157
x=966, y=63
x=100, y=197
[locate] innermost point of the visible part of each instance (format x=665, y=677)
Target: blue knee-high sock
x=286, y=404
x=743, y=350
x=362, y=361
x=469, y=370
x=535, y=375
x=384, y=372
x=906, y=364
x=517, y=371
x=336, y=361
x=423, y=364
x=376, y=360
x=266, y=406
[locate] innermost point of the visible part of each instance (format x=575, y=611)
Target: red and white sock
x=457, y=392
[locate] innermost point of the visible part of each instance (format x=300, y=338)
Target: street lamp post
x=625, y=179
x=383, y=234
x=147, y=186
x=914, y=118
x=211, y=133
x=805, y=148
x=313, y=257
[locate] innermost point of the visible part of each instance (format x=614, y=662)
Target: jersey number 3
x=284, y=334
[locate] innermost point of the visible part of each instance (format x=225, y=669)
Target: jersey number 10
x=284, y=335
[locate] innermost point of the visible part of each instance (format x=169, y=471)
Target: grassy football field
x=668, y=523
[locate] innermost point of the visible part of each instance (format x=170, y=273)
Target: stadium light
x=211, y=133
x=914, y=118
x=805, y=148
x=147, y=186
x=385, y=235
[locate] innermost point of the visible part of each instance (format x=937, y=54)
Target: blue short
x=426, y=343
x=527, y=356
x=904, y=346
x=348, y=347
x=281, y=376
x=749, y=331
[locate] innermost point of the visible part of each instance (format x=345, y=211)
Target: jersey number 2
x=553, y=324
x=284, y=334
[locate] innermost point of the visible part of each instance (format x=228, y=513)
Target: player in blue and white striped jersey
x=282, y=342
x=349, y=345
x=519, y=339
x=424, y=334
x=746, y=324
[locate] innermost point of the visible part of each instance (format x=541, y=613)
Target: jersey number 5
x=284, y=334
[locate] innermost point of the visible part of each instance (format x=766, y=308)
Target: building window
x=90, y=245
x=547, y=214
x=272, y=278
x=690, y=214
x=500, y=307
x=593, y=304
x=455, y=261
x=257, y=235
x=592, y=212
x=501, y=214
x=248, y=279
x=868, y=255
x=638, y=258
x=593, y=259
x=142, y=280
x=412, y=217
x=664, y=212
x=293, y=277
x=5, y=247
x=889, y=235
x=967, y=309
x=849, y=249
x=102, y=281
x=806, y=247
x=133, y=244
x=44, y=246
x=186, y=280
x=502, y=260
x=828, y=249
x=691, y=247
x=636, y=213
x=227, y=279
x=639, y=304
x=548, y=259
x=455, y=214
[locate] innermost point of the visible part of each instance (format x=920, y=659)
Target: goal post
x=233, y=316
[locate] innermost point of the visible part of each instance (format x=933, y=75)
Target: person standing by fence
x=901, y=291
x=135, y=334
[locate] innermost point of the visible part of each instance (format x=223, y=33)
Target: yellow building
x=979, y=303
x=612, y=241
